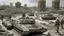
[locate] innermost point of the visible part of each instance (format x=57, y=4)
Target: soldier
x=9, y=16
x=2, y=17
x=57, y=25
x=23, y=15
x=62, y=22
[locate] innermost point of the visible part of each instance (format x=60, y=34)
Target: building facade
x=18, y=5
x=41, y=5
x=56, y=4
x=11, y=5
x=25, y=6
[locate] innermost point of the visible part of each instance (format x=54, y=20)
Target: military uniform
x=9, y=16
x=62, y=22
x=2, y=17
x=23, y=15
x=57, y=25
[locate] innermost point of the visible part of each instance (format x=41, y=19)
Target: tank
x=48, y=17
x=7, y=24
x=31, y=14
x=4, y=32
x=28, y=26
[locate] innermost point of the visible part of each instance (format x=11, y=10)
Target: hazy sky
x=30, y=3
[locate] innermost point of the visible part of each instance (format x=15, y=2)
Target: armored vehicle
x=28, y=26
x=7, y=24
x=31, y=14
x=48, y=17
x=4, y=32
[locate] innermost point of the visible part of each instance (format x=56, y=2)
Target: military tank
x=7, y=24
x=48, y=17
x=31, y=14
x=28, y=26
x=4, y=32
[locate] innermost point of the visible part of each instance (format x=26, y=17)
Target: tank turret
x=27, y=21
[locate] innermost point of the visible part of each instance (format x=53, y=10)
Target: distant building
x=41, y=5
x=11, y=4
x=18, y=5
x=3, y=7
x=25, y=6
x=56, y=4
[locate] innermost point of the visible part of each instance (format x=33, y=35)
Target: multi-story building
x=18, y=5
x=41, y=5
x=56, y=4
x=11, y=5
